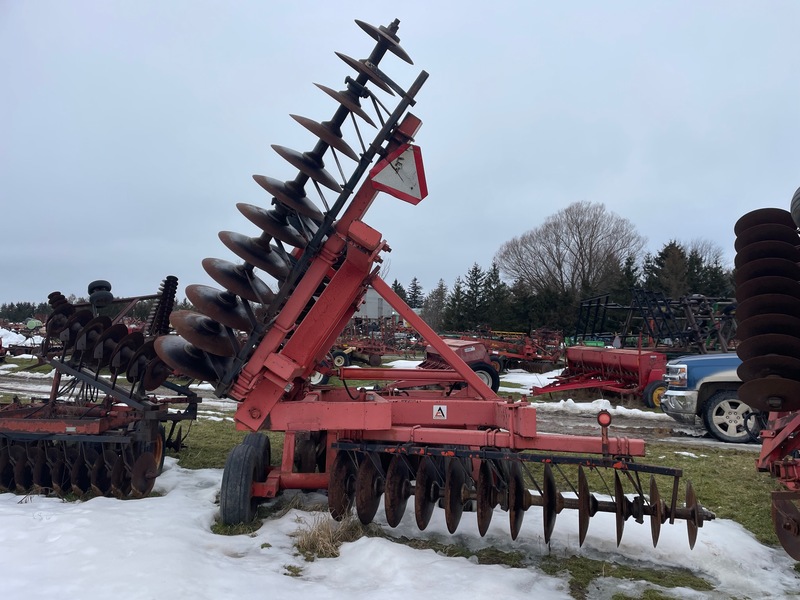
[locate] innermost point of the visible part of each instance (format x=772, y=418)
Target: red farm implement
x=622, y=371
x=101, y=431
x=768, y=294
x=439, y=436
x=538, y=352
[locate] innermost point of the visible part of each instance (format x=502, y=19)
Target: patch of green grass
x=293, y=570
x=583, y=571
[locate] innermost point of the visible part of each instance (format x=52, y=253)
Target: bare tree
x=576, y=251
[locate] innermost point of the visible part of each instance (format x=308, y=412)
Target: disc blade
x=106, y=344
x=143, y=476
x=770, y=365
x=619, y=503
x=426, y=491
x=367, y=71
x=219, y=305
x=341, y=488
x=771, y=394
x=763, y=216
x=768, y=323
x=767, y=249
x=381, y=34
x=454, y=482
x=486, y=496
x=657, y=513
x=786, y=520
x=308, y=165
x=238, y=280
x=348, y=100
x=764, y=232
x=516, y=498
x=273, y=224
x=291, y=196
x=692, y=522
x=587, y=505
x=549, y=494
x=369, y=487
x=203, y=332
x=124, y=351
x=266, y=257
x=328, y=133
x=763, y=304
x=398, y=489
x=185, y=358
x=155, y=374
x=768, y=343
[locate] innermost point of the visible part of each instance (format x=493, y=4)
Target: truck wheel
x=724, y=416
x=487, y=373
x=653, y=392
x=340, y=359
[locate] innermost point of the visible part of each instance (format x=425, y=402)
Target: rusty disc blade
x=381, y=34
x=768, y=343
x=6, y=469
x=120, y=479
x=427, y=489
x=143, y=476
x=308, y=165
x=80, y=472
x=587, y=505
x=41, y=470
x=203, y=332
x=60, y=472
x=155, y=374
x=369, y=487
x=75, y=323
x=620, y=506
x=348, y=100
x=106, y=344
x=657, y=512
x=767, y=249
x=23, y=468
x=58, y=319
x=236, y=278
x=692, y=522
x=771, y=365
x=125, y=351
x=90, y=334
x=786, y=520
x=763, y=304
x=273, y=224
x=328, y=133
x=762, y=216
x=100, y=476
x=341, y=487
x=398, y=489
x=138, y=362
x=486, y=496
x=454, y=482
x=291, y=196
x=516, y=498
x=764, y=267
x=367, y=71
x=771, y=394
x=219, y=305
x=186, y=359
x=768, y=323
x=769, y=284
x=765, y=232
x=549, y=496
x=258, y=253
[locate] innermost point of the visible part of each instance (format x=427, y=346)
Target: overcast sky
x=129, y=131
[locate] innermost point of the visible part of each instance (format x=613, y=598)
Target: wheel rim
x=658, y=393
x=728, y=418
x=485, y=377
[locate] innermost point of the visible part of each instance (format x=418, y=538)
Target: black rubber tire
x=653, y=392
x=160, y=448
x=498, y=363
x=261, y=443
x=340, y=359
x=486, y=372
x=236, y=505
x=723, y=415
x=99, y=285
x=317, y=378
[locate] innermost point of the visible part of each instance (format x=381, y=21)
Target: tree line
x=538, y=279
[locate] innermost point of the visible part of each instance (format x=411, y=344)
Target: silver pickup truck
x=705, y=387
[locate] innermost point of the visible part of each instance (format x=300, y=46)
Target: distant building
x=375, y=307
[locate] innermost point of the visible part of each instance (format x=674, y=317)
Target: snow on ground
x=162, y=546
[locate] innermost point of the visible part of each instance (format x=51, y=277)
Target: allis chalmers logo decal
x=440, y=412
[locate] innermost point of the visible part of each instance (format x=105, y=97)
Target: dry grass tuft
x=323, y=537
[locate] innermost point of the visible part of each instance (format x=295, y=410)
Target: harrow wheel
x=426, y=491
x=455, y=483
x=587, y=505
x=516, y=498
x=143, y=476
x=786, y=520
x=341, y=489
x=397, y=490
x=369, y=487
x=261, y=443
x=236, y=503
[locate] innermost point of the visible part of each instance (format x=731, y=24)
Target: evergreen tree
x=414, y=293
x=454, y=318
x=668, y=270
x=434, y=306
x=474, y=302
x=497, y=300
x=398, y=289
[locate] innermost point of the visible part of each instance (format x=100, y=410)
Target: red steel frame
x=272, y=385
